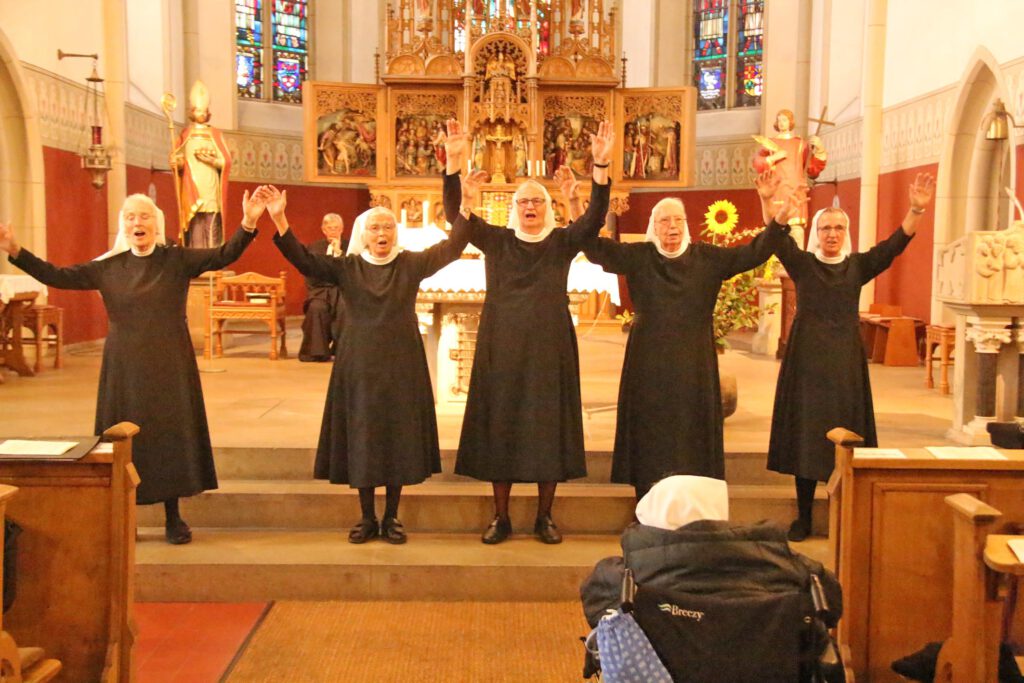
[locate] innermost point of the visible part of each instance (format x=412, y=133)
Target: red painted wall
x=696, y=202
x=909, y=281
x=306, y=208
x=76, y=231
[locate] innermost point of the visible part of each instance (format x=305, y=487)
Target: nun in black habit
x=670, y=405
x=379, y=426
x=523, y=419
x=144, y=285
x=824, y=382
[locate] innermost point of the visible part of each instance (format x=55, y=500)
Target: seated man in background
x=684, y=545
x=324, y=308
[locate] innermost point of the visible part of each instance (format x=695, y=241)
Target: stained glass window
x=728, y=50
x=249, y=48
x=281, y=59
x=749, y=52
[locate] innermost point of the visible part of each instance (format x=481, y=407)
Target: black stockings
x=545, y=498
x=394, y=495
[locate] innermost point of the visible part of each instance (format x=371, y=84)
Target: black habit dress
x=379, y=426
x=149, y=374
x=523, y=420
x=324, y=313
x=670, y=403
x=823, y=382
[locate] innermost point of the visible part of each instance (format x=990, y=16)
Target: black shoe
x=392, y=531
x=497, y=531
x=799, y=530
x=364, y=530
x=546, y=531
x=178, y=533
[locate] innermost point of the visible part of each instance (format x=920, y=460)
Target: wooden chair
x=944, y=338
x=46, y=323
x=21, y=664
x=239, y=297
x=985, y=573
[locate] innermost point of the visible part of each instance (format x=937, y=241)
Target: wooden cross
x=822, y=120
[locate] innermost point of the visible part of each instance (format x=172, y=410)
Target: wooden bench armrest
x=121, y=431
x=846, y=438
x=1000, y=558
x=973, y=509
x=6, y=493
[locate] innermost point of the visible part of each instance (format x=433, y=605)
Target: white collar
x=147, y=252
x=530, y=237
x=671, y=254
x=380, y=261
x=831, y=260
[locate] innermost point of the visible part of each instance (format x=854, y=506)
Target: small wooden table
x=891, y=340
x=12, y=317
x=945, y=338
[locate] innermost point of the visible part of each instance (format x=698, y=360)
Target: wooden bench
x=985, y=575
x=249, y=296
x=21, y=664
x=944, y=338
x=891, y=341
x=46, y=324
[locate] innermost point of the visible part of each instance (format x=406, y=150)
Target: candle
x=404, y=217
x=543, y=167
x=426, y=212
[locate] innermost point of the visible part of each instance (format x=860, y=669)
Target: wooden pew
x=984, y=574
x=77, y=557
x=893, y=547
x=20, y=664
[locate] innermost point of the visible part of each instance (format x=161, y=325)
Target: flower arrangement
x=737, y=305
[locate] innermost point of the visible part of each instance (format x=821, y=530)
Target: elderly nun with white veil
x=379, y=426
x=149, y=374
x=670, y=405
x=823, y=382
x=524, y=420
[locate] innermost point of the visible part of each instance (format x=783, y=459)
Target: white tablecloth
x=16, y=284
x=467, y=275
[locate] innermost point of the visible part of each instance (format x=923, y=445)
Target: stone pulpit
x=980, y=277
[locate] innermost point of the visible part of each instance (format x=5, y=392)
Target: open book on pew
x=71, y=448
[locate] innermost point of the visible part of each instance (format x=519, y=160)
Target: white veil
x=357, y=244
x=814, y=245
x=652, y=235
x=549, y=215
x=121, y=241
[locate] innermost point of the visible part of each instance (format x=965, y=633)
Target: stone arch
x=972, y=170
x=22, y=180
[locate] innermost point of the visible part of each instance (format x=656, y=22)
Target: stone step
x=297, y=463
x=450, y=507
x=231, y=565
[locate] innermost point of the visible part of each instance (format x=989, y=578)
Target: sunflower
x=721, y=217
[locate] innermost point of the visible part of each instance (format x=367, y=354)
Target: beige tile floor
x=256, y=402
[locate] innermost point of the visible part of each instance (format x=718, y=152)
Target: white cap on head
x=121, y=241
x=652, y=234
x=549, y=215
x=357, y=242
x=680, y=499
x=814, y=244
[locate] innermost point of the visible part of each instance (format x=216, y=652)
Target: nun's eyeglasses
x=832, y=228
x=528, y=201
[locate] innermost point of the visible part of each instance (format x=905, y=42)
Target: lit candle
x=543, y=167
x=404, y=217
x=426, y=212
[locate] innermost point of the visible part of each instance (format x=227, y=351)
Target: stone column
x=1019, y=330
x=871, y=155
x=988, y=337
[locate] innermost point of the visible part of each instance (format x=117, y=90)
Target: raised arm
x=731, y=261
x=456, y=149
x=201, y=260
x=790, y=200
x=82, y=276
x=318, y=266
x=570, y=189
x=586, y=228
x=879, y=257
x=441, y=254
x=613, y=256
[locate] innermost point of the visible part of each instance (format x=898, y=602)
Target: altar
x=449, y=305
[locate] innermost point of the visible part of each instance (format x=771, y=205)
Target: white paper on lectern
x=1017, y=546
x=891, y=453
x=965, y=453
x=22, y=447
